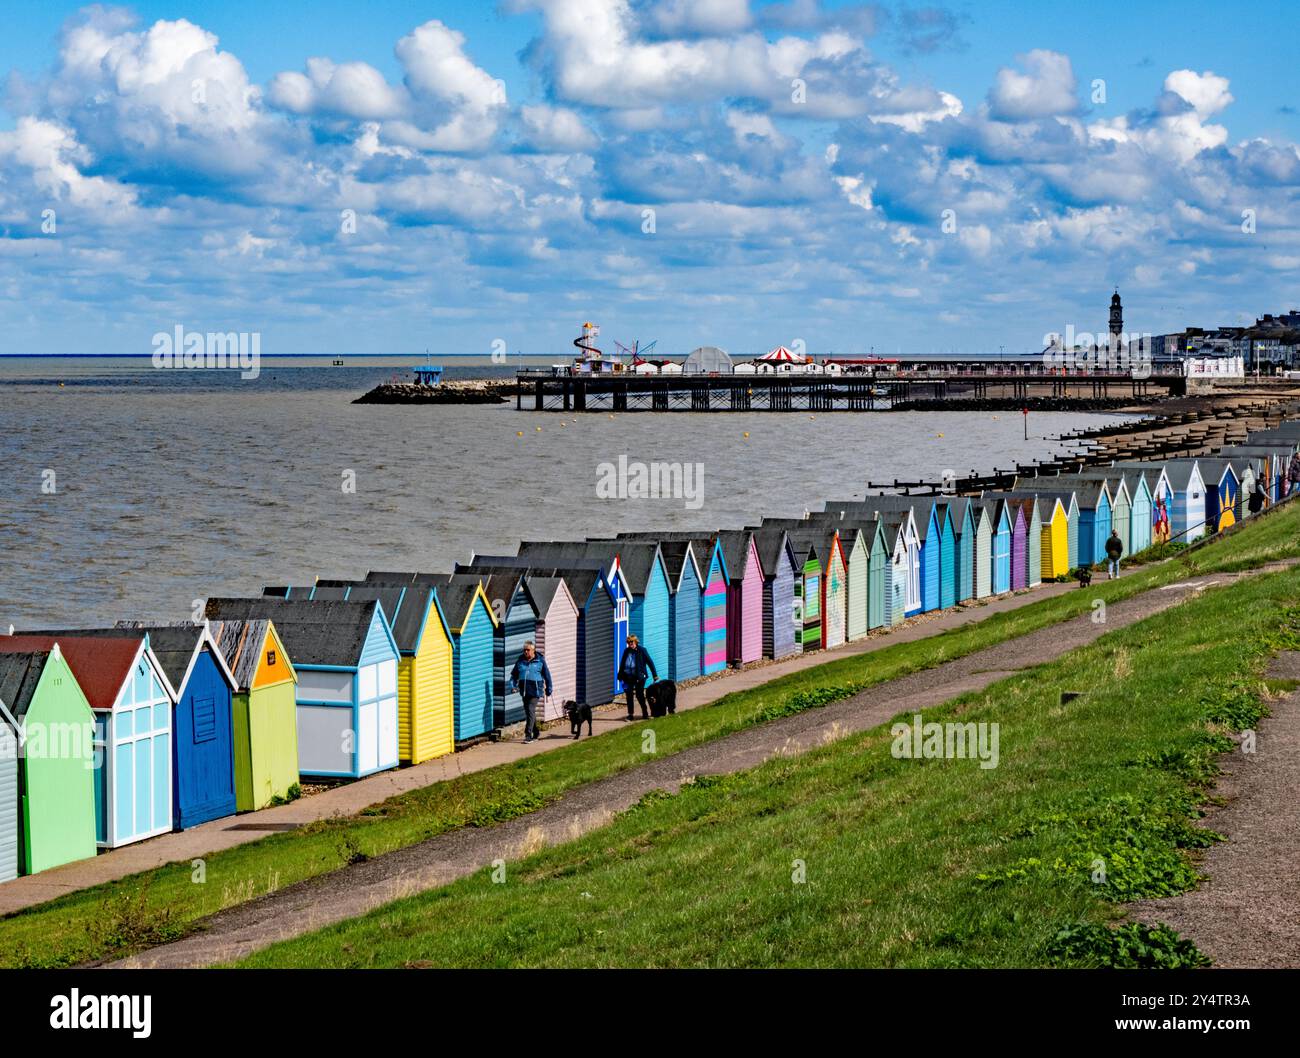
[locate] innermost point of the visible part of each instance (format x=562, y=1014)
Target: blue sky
x=386, y=178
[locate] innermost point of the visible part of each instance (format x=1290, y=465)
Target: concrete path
x=350, y=798
x=1246, y=913
x=353, y=891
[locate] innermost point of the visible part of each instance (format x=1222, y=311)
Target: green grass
x=154, y=906
x=848, y=856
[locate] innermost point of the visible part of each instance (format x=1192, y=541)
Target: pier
x=554, y=390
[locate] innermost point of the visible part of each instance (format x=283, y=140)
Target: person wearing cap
x=632, y=667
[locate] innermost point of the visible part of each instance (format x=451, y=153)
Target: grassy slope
x=162, y=904
x=908, y=863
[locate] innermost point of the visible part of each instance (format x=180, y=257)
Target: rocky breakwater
x=458, y=391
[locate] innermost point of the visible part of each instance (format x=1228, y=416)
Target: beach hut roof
x=771, y=543
x=544, y=590
x=1178, y=471
x=676, y=554
x=580, y=576
x=702, y=544
x=20, y=672
x=240, y=642
x=635, y=554
x=177, y=647
x=314, y=632
x=101, y=665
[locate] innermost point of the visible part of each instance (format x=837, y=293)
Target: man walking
x=632, y=668
x=1114, y=549
x=533, y=679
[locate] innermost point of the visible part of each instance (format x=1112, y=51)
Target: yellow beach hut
x=1056, y=537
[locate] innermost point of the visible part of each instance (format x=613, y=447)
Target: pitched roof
x=772, y=543
x=919, y=506
x=1178, y=471
x=101, y=664
x=581, y=575
x=176, y=646
x=240, y=643
x=544, y=590
x=313, y=632
x=636, y=556
x=701, y=543
x=20, y=672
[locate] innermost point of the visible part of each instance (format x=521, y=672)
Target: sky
x=462, y=177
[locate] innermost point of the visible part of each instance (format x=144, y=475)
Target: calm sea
x=130, y=492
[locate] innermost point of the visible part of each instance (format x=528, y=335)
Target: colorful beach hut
x=1279, y=459
x=557, y=640
x=346, y=661
x=963, y=524
x=641, y=561
x=998, y=513
x=1055, y=537
x=203, y=746
x=1185, y=502
x=473, y=624
x=807, y=607
x=780, y=571
x=1094, y=498
x=1160, y=494
x=909, y=569
x=1052, y=486
x=517, y=613
x=47, y=796
x=576, y=555
x=1222, y=493
x=859, y=538
x=132, y=701
x=585, y=578
x=263, y=710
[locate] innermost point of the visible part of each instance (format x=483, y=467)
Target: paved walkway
x=353, y=891
x=350, y=798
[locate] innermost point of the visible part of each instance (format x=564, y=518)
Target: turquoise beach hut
x=963, y=523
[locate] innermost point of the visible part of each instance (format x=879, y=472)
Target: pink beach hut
x=556, y=639
x=744, y=596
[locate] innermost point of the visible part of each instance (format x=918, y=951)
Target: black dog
x=577, y=714
x=1085, y=576
x=662, y=696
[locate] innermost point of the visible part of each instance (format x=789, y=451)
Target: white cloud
x=556, y=129
x=1046, y=88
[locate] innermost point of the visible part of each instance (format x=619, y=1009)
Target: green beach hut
x=48, y=817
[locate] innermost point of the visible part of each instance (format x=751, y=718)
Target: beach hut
x=346, y=661
x=1184, y=502
x=1055, y=539
x=1139, y=517
x=914, y=566
x=1159, y=494
x=557, y=640
x=715, y=578
x=930, y=519
x=132, y=699
x=586, y=580
x=1019, y=544
x=745, y=581
x=1034, y=543
x=47, y=796
x=983, y=514
x=780, y=571
x=1222, y=493
x=473, y=624
x=903, y=584
x=1121, y=502
x=1251, y=470
x=998, y=513
x=744, y=596
x=855, y=546
x=641, y=562
x=1279, y=459
x=425, y=671
x=963, y=524
x=1050, y=486
x=9, y=828
x=808, y=585
x=517, y=613
x=1094, y=498
x=606, y=553
x=1030, y=556
x=263, y=710
x=203, y=747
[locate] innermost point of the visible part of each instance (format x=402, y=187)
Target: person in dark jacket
x=1293, y=474
x=1256, y=502
x=1114, y=549
x=632, y=668
x=533, y=679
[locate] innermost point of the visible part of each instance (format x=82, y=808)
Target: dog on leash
x=577, y=714
x=662, y=697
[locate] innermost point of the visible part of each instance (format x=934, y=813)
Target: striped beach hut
x=716, y=579
x=596, y=634
x=264, y=710
x=685, y=610
x=780, y=571
x=855, y=545
x=132, y=699
x=203, y=753
x=47, y=805
x=516, y=613
x=557, y=640
x=346, y=660
x=745, y=582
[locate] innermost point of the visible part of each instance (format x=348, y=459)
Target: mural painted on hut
x=951, y=741
x=634, y=480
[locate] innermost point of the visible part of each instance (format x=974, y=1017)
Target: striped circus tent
x=782, y=355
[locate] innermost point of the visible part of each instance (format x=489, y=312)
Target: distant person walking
x=533, y=679
x=1293, y=474
x=1256, y=502
x=1114, y=549
x=632, y=668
